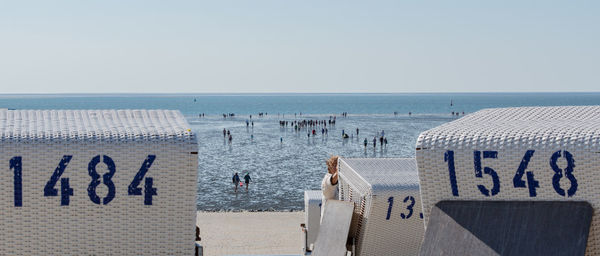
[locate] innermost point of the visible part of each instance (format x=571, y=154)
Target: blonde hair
x=332, y=164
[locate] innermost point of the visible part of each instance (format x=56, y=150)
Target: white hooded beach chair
x=533, y=154
x=97, y=182
x=387, y=216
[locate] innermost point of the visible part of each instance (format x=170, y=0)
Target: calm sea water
x=283, y=162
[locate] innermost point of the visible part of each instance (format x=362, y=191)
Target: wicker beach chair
x=515, y=154
x=97, y=182
x=387, y=216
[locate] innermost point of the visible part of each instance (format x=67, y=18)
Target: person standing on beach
x=247, y=180
x=356, y=131
x=330, y=182
x=224, y=132
x=375, y=141
x=236, y=180
x=365, y=142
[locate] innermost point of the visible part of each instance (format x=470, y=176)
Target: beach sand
x=231, y=233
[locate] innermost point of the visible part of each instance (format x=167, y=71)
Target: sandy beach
x=235, y=233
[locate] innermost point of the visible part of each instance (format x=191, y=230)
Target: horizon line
x=282, y=93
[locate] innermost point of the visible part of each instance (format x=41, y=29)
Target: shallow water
x=281, y=171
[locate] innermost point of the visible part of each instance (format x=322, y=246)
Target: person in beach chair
x=330, y=182
x=329, y=188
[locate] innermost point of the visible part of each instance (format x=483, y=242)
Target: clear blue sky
x=298, y=46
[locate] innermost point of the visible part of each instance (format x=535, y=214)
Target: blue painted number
x=558, y=173
x=17, y=166
x=389, y=211
x=496, y=181
x=449, y=158
x=149, y=191
x=409, y=207
x=518, y=181
x=106, y=178
x=65, y=190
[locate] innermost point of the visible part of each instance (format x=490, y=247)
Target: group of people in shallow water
x=227, y=134
x=313, y=126
x=382, y=141
x=236, y=181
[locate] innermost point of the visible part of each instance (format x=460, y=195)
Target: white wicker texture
x=536, y=153
x=123, y=225
x=312, y=214
x=387, y=213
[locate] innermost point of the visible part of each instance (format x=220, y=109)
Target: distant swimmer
x=365, y=142
x=409, y=113
x=235, y=179
x=252, y=123
x=280, y=139
x=374, y=141
x=230, y=138
x=224, y=132
x=247, y=123
x=357, y=131
x=251, y=136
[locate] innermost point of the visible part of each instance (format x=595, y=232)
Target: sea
x=284, y=162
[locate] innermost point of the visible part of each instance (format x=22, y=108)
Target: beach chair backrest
x=387, y=214
x=97, y=182
x=515, y=154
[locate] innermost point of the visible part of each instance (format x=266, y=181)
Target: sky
x=147, y=46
